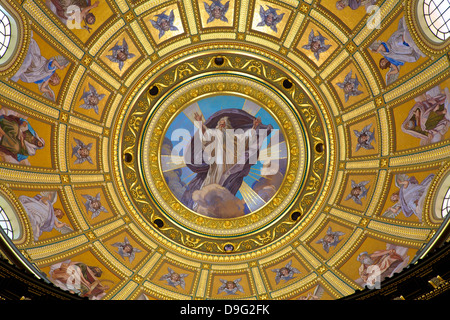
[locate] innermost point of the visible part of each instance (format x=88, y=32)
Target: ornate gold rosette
x=296, y=110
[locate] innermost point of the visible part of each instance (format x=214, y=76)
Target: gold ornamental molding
x=179, y=99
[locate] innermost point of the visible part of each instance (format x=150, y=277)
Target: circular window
x=437, y=17
x=5, y=33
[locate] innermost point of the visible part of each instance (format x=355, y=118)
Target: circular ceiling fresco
x=225, y=149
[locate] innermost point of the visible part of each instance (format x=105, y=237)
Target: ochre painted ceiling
x=92, y=111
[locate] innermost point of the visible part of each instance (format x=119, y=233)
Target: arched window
x=5, y=32
x=437, y=17
x=5, y=224
x=446, y=204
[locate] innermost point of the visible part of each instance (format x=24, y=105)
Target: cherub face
x=284, y=272
x=93, y=100
x=269, y=19
x=83, y=152
x=217, y=12
x=59, y=213
x=363, y=138
x=175, y=277
x=349, y=87
x=230, y=285
x=164, y=25
x=356, y=191
x=315, y=46
x=121, y=55
x=328, y=238
x=90, y=18
x=54, y=79
x=127, y=248
x=384, y=63
x=37, y=142
x=95, y=204
x=394, y=197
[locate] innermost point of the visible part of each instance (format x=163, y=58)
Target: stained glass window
x=5, y=32
x=5, y=224
x=437, y=17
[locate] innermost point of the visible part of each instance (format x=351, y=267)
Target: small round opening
x=295, y=215
x=219, y=61
x=128, y=157
x=287, y=84
x=228, y=248
x=320, y=147
x=153, y=90
x=159, y=223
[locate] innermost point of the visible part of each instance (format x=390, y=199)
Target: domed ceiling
x=119, y=182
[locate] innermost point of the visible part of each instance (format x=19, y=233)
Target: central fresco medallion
x=224, y=156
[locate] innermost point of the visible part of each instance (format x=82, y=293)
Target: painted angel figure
x=410, y=197
x=94, y=205
x=350, y=86
x=429, y=118
x=42, y=214
x=316, y=295
x=79, y=278
x=91, y=99
x=81, y=152
x=74, y=10
x=230, y=287
x=269, y=18
x=120, y=54
x=40, y=70
x=377, y=266
x=18, y=139
x=354, y=4
x=217, y=10
x=365, y=138
x=396, y=51
x=358, y=191
x=331, y=239
x=126, y=250
x=286, y=273
x=174, y=279
x=164, y=23
x=316, y=44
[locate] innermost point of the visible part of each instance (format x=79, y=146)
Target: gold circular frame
x=136, y=113
x=231, y=85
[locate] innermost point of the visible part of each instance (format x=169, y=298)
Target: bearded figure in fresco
x=66, y=9
x=223, y=169
x=410, y=197
x=377, y=266
x=396, y=51
x=354, y=4
x=43, y=216
x=40, y=70
x=18, y=140
x=78, y=278
x=429, y=119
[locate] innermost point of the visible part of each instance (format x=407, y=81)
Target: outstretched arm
x=199, y=118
